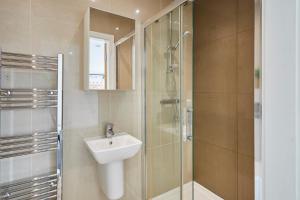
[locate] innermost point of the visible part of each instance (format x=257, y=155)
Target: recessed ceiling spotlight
x=93, y=0
x=137, y=11
x=117, y=28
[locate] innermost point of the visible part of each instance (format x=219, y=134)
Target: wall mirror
x=109, y=55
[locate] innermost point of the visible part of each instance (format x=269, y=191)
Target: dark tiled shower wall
x=223, y=97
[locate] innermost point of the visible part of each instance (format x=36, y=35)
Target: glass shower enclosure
x=168, y=105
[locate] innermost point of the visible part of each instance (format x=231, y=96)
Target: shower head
x=186, y=33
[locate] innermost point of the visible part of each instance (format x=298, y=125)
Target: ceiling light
x=117, y=28
x=137, y=11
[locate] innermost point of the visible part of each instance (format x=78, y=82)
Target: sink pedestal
x=111, y=177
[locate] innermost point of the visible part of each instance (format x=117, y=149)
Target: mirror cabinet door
x=109, y=54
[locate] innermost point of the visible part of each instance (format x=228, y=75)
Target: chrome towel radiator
x=43, y=186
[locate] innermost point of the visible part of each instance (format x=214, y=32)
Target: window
x=98, y=49
x=101, y=61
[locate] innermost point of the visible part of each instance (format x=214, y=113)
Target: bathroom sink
x=110, y=154
x=106, y=150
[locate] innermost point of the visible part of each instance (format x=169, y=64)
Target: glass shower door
x=169, y=110
x=163, y=138
x=187, y=99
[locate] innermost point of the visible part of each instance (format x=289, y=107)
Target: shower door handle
x=189, y=124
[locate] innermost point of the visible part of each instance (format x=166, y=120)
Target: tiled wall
x=223, y=97
x=49, y=27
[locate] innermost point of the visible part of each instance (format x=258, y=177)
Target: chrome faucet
x=109, y=130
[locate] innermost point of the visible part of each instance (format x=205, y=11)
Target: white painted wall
x=298, y=102
x=279, y=98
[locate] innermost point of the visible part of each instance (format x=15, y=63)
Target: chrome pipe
x=27, y=181
x=59, y=124
x=33, y=101
x=27, y=189
x=27, y=107
x=25, y=186
x=36, y=195
x=8, y=60
x=33, y=67
x=37, y=135
x=22, y=145
x=22, y=149
x=28, y=101
x=21, y=97
x=32, y=192
x=27, y=152
x=32, y=92
x=38, y=188
x=29, y=90
x=30, y=186
x=169, y=101
x=24, y=61
x=28, y=56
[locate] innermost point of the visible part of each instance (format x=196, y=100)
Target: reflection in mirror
x=109, y=45
x=125, y=61
x=99, y=50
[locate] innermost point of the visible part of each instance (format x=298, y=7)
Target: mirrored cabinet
x=109, y=51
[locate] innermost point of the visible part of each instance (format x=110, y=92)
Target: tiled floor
x=200, y=193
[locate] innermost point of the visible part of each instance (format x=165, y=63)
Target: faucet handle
x=109, y=126
x=109, y=130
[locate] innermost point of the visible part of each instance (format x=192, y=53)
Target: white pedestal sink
x=110, y=154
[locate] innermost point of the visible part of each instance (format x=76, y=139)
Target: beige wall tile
x=156, y=171
x=15, y=26
x=80, y=173
x=164, y=163
x=187, y=163
x=170, y=167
